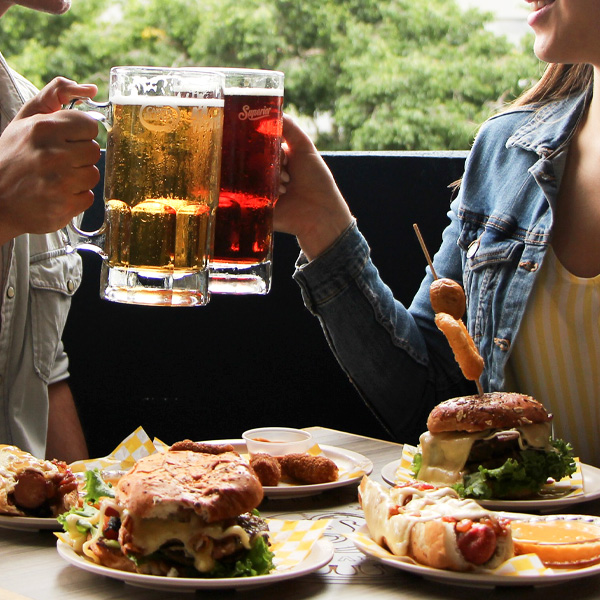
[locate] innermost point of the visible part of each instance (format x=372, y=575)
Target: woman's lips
x=538, y=8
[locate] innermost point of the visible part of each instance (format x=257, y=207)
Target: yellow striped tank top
x=556, y=355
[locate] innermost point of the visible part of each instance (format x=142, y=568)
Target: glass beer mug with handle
x=252, y=136
x=161, y=185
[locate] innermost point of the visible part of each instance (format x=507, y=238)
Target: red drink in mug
x=252, y=130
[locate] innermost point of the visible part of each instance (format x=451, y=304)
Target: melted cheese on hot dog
x=14, y=461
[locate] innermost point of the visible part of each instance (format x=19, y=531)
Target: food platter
x=29, y=523
x=321, y=553
x=591, y=491
x=488, y=579
x=352, y=466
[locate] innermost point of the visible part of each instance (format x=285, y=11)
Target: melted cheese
x=392, y=514
x=444, y=455
x=151, y=534
x=14, y=460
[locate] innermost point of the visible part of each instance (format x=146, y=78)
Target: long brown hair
x=558, y=81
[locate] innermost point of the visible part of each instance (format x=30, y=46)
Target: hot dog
x=30, y=486
x=434, y=527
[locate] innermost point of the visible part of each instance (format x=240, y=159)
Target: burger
x=178, y=513
x=497, y=445
x=33, y=487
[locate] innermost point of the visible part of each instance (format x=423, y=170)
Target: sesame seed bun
x=494, y=410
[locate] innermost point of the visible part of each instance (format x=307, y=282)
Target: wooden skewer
x=425, y=251
x=430, y=262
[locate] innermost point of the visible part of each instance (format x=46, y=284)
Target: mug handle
x=77, y=238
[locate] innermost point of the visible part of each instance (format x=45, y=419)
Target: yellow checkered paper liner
x=292, y=541
x=125, y=455
x=138, y=444
x=573, y=486
x=517, y=566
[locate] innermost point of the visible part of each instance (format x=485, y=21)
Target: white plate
x=591, y=491
x=29, y=523
x=486, y=580
x=345, y=459
x=320, y=554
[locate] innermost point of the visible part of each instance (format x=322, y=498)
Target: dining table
x=31, y=568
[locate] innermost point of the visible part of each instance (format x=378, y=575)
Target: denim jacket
x=500, y=228
x=37, y=280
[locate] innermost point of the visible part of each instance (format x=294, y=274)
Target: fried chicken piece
x=306, y=468
x=202, y=447
x=267, y=468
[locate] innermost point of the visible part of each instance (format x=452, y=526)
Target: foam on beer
x=166, y=101
x=244, y=91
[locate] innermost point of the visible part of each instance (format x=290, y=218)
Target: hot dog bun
x=420, y=521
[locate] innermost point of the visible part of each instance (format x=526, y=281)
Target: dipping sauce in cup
x=277, y=441
x=558, y=542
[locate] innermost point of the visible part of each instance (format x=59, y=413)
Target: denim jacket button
x=529, y=265
x=473, y=247
x=502, y=343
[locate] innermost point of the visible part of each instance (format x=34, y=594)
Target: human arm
x=47, y=162
x=312, y=207
x=65, y=435
x=396, y=358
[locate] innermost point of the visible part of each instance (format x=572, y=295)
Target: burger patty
x=220, y=548
x=494, y=452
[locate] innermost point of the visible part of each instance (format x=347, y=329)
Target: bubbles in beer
x=162, y=176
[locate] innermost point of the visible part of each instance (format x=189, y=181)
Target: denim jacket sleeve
x=397, y=359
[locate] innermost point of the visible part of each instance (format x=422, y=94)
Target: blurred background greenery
x=361, y=74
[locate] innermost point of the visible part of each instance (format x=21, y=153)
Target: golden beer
x=162, y=179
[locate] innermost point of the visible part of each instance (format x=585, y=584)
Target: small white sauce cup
x=277, y=441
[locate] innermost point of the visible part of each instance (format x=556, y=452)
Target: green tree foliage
x=380, y=74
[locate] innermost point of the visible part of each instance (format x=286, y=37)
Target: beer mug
x=252, y=134
x=161, y=185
